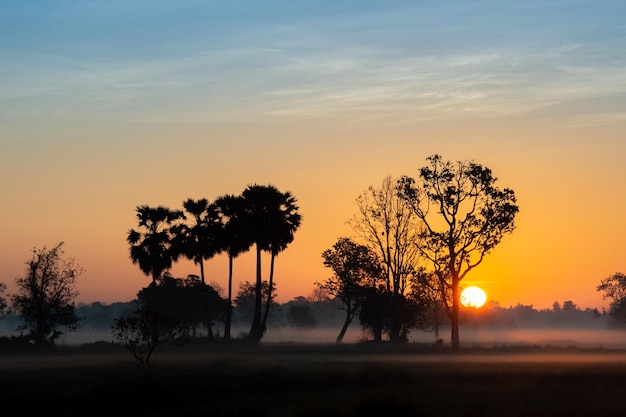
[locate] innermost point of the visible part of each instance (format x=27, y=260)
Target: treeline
x=309, y=313
x=566, y=315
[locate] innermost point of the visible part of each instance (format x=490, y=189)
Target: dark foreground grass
x=317, y=380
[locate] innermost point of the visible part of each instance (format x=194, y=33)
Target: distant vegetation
x=306, y=313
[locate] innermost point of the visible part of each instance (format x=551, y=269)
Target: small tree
x=184, y=298
x=3, y=301
x=614, y=288
x=142, y=332
x=355, y=267
x=300, y=314
x=245, y=301
x=44, y=300
x=387, y=313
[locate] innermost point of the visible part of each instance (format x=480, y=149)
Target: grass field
x=290, y=379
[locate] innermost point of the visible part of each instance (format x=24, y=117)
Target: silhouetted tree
x=184, y=299
x=96, y=315
x=391, y=229
x=144, y=330
x=3, y=301
x=381, y=311
x=426, y=292
x=464, y=214
x=271, y=218
x=44, y=299
x=300, y=314
x=355, y=267
x=235, y=240
x=569, y=306
x=150, y=246
x=319, y=295
x=245, y=300
x=199, y=239
x=326, y=308
x=613, y=287
x=372, y=312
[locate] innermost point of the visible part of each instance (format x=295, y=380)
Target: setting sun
x=473, y=297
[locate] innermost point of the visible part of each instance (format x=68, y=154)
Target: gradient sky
x=107, y=105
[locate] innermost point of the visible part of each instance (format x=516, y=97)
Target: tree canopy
x=45, y=295
x=465, y=215
x=355, y=268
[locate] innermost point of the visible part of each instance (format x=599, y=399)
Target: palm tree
x=150, y=246
x=234, y=241
x=271, y=217
x=285, y=221
x=199, y=241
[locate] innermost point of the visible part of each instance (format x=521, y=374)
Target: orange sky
x=92, y=125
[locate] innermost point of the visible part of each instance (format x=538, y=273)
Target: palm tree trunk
x=155, y=279
x=205, y=296
x=153, y=327
x=268, y=303
x=255, y=333
x=229, y=308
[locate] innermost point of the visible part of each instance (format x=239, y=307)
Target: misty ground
x=319, y=379
x=485, y=337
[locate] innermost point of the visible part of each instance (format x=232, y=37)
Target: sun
x=473, y=297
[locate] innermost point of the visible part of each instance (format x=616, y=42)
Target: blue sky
x=194, y=61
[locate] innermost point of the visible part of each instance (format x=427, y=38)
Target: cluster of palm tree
x=261, y=217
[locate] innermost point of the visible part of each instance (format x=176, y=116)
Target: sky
x=108, y=105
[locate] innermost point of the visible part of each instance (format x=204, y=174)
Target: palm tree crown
x=150, y=246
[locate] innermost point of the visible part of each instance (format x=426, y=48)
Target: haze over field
x=109, y=105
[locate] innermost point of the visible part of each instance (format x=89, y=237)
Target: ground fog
x=584, y=338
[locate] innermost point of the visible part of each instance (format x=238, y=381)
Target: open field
x=292, y=379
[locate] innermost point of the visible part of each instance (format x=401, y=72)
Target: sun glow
x=473, y=297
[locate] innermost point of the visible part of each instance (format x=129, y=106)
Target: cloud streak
x=201, y=64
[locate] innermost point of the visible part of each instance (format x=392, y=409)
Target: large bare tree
x=464, y=214
x=389, y=228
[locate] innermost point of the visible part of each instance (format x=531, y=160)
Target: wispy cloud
x=316, y=68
